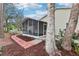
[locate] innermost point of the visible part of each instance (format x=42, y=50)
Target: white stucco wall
x=61, y=18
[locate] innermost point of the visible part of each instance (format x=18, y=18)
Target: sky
x=37, y=11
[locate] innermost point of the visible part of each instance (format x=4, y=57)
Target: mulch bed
x=68, y=53
x=25, y=38
x=36, y=50
x=16, y=50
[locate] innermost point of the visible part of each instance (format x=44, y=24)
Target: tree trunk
x=66, y=44
x=50, y=36
x=1, y=21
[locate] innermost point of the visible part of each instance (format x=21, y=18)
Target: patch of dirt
x=6, y=40
x=7, y=35
x=68, y=53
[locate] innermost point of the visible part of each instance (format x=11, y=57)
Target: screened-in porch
x=34, y=27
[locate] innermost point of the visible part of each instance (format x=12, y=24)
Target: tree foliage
x=12, y=15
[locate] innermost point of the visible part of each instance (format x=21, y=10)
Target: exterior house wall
x=61, y=18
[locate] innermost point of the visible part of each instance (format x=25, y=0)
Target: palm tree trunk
x=1, y=21
x=66, y=44
x=50, y=36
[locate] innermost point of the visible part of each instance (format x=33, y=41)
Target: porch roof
x=28, y=18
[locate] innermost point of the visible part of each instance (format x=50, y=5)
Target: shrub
x=75, y=46
x=13, y=31
x=75, y=36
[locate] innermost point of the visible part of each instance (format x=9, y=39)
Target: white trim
x=30, y=35
x=36, y=37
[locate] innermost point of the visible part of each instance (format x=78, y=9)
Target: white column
x=25, y=26
x=28, y=27
x=43, y=28
x=32, y=27
x=38, y=28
